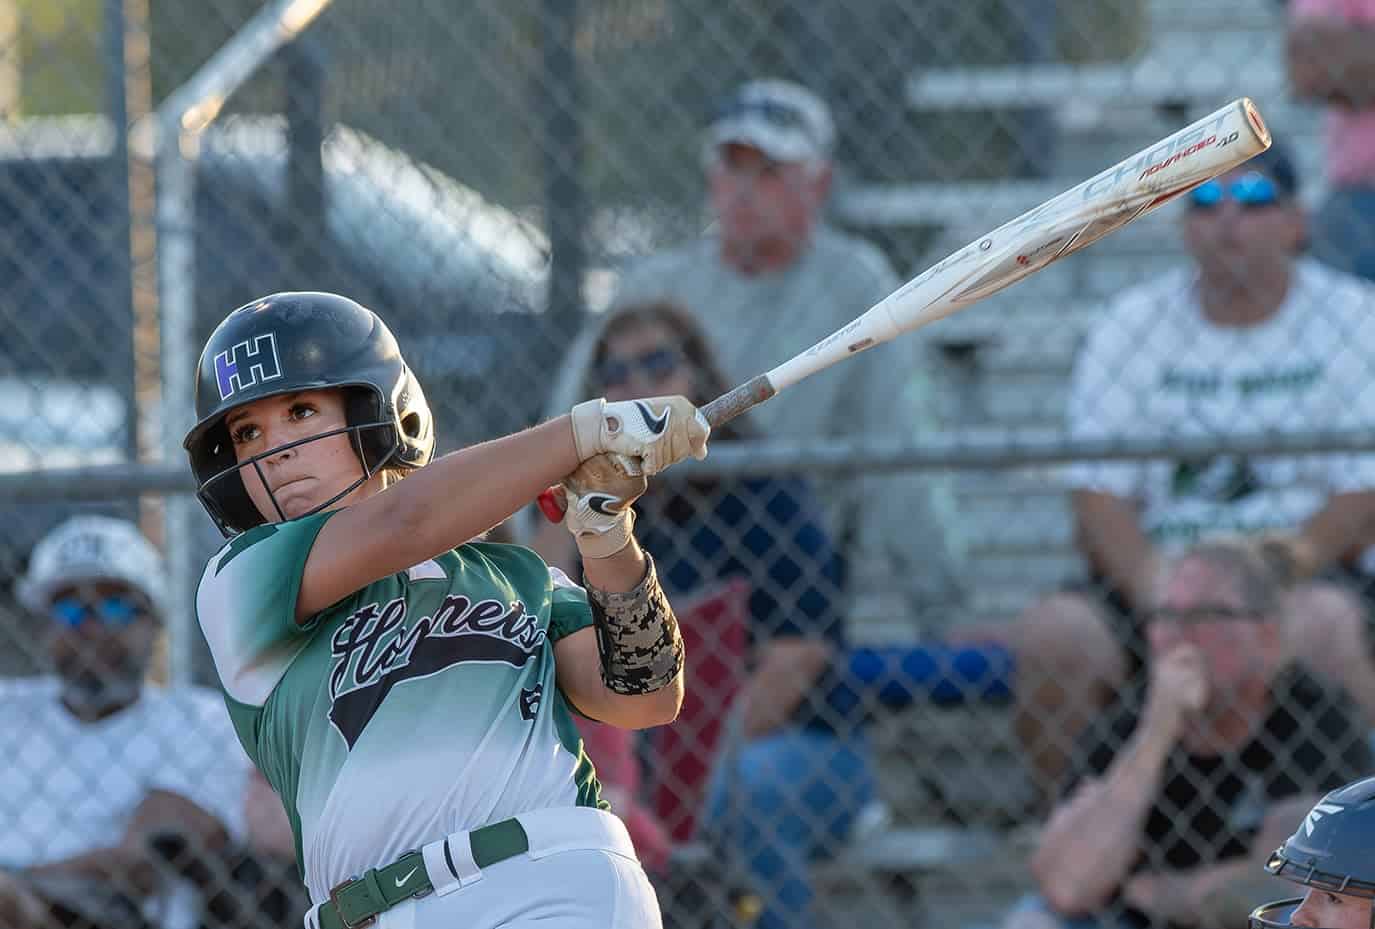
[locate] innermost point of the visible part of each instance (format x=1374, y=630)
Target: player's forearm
x=465, y=493
x=619, y=572
x=638, y=641
x=1091, y=844
x=1111, y=537
x=640, y=711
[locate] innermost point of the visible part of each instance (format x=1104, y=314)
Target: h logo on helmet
x=247, y=363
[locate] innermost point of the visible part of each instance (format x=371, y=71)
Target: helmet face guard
x=1274, y=915
x=289, y=343
x=1280, y=914
x=225, y=496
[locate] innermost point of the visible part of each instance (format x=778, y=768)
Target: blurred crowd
x=1178, y=707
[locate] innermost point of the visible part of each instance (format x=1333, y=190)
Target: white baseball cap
x=93, y=548
x=784, y=120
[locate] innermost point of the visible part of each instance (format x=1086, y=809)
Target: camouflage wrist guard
x=637, y=636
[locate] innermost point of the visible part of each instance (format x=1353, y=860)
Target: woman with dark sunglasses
x=792, y=789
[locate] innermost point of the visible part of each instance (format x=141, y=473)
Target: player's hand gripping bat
x=1046, y=233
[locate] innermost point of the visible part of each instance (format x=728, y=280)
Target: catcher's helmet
x=1331, y=850
x=291, y=342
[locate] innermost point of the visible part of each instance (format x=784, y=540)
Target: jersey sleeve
x=246, y=601
x=568, y=608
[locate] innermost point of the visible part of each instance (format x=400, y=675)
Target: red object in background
x=715, y=635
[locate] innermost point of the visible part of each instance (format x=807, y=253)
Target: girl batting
x=407, y=692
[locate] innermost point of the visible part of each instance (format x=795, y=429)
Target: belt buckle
x=419, y=893
x=363, y=923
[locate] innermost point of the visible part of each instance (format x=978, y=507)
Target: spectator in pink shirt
x=1331, y=54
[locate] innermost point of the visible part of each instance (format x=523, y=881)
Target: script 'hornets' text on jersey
x=329, y=710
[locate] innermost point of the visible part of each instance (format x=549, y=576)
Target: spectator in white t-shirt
x=104, y=772
x=1253, y=338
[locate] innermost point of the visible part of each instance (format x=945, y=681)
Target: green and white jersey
x=421, y=705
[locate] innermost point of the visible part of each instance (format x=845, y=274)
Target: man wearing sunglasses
x=1252, y=338
x=101, y=769
x=772, y=278
x=1186, y=783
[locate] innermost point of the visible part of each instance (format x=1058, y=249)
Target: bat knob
x=550, y=505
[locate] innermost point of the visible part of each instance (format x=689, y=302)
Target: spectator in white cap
x=102, y=569
x=770, y=279
x=101, y=766
x=768, y=162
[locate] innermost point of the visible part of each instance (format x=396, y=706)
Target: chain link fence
x=928, y=596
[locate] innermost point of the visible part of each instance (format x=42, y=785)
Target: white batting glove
x=653, y=433
x=599, y=515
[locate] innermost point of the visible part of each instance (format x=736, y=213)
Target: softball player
x=1329, y=854
x=406, y=691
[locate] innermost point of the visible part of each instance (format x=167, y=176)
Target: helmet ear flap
x=377, y=445
x=222, y=492
x=228, y=503
x=416, y=421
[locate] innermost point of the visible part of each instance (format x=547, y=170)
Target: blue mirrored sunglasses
x=115, y=611
x=1251, y=190
x=656, y=364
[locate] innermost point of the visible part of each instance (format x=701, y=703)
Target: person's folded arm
x=1219, y=896
x=131, y=864
x=1344, y=524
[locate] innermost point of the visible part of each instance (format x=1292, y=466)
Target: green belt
x=356, y=903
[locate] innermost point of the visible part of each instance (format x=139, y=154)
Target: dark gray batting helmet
x=291, y=342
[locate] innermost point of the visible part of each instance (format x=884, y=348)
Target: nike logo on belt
x=401, y=881
x=656, y=425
